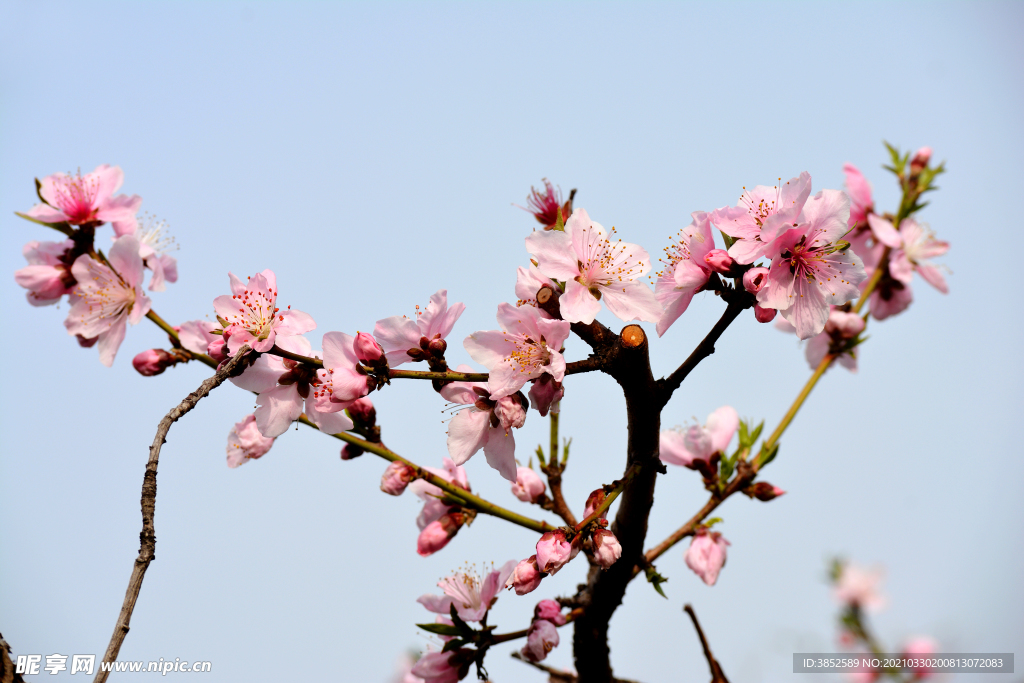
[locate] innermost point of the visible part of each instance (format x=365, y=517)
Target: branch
x=147, y=547
x=717, y=675
x=553, y=470
x=704, y=349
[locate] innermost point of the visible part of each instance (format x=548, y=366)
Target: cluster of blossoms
x=806, y=257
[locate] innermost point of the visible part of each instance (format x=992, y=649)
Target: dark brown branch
x=704, y=349
x=717, y=675
x=7, y=668
x=147, y=547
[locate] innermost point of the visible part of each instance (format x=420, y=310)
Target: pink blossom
x=679, y=447
x=153, y=362
x=541, y=638
x=284, y=386
x=246, y=443
x=252, y=317
x=917, y=245
x=197, y=335
x=706, y=555
x=403, y=671
x=362, y=411
x=755, y=279
x=105, y=300
x=525, y=577
x=549, y=610
x=686, y=271
x=88, y=199
x=859, y=189
x=436, y=535
x=546, y=394
x=890, y=298
x=528, y=486
x=366, y=348
x=47, y=277
x=761, y=216
x=809, y=271
x=553, y=551
x=858, y=587
x=396, y=478
x=436, y=525
x=545, y=205
x=607, y=549
x=594, y=501
x=527, y=347
x=528, y=283
x=436, y=667
x=399, y=335
x=720, y=261
x=342, y=379
x=923, y=647
x=594, y=269
x=471, y=594
x=154, y=243
x=841, y=328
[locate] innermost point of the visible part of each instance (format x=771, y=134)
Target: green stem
x=801, y=397
x=610, y=497
x=466, y=498
x=449, y=375
x=554, y=437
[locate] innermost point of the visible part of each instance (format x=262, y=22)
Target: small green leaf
x=655, y=579
x=540, y=455
x=453, y=644
x=744, y=436
x=559, y=222
x=711, y=522
x=726, y=467
x=440, y=629
x=565, y=451
x=39, y=192
x=463, y=627
x=756, y=433
x=729, y=241
x=766, y=456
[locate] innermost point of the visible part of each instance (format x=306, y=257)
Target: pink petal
x=632, y=301
x=722, y=424
x=554, y=252
x=110, y=341
x=578, y=305
x=278, y=408
x=500, y=451
x=467, y=434
x=884, y=231
x=125, y=259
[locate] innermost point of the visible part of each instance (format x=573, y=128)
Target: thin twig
x=717, y=675
x=147, y=547
x=705, y=348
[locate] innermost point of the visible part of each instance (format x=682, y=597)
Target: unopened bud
x=153, y=362
x=367, y=349
x=438, y=346
x=525, y=577
x=755, y=279
x=764, y=315
x=553, y=551
x=510, y=411
x=528, y=487
x=416, y=354
x=437, y=534
x=549, y=610
x=920, y=160
x=720, y=261
x=607, y=549
x=541, y=638
x=218, y=348
x=594, y=501
x=396, y=477
x=349, y=452
x=362, y=412
x=762, y=490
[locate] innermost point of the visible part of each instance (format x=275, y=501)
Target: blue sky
x=370, y=154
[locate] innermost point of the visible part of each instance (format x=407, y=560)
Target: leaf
x=756, y=433
x=540, y=455
x=440, y=629
x=766, y=456
x=559, y=222
x=453, y=644
x=711, y=522
x=62, y=227
x=655, y=579
x=726, y=467
x=464, y=628
x=39, y=192
x=729, y=241
x=744, y=436
x=565, y=451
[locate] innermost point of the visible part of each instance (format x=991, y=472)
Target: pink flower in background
x=840, y=328
x=706, y=555
x=252, y=316
x=528, y=486
x=471, y=594
x=809, y=273
x=921, y=647
x=527, y=347
x=525, y=577
x=245, y=442
x=528, y=283
x=916, y=247
x=46, y=277
x=859, y=189
x=545, y=205
x=341, y=381
x=197, y=335
x=685, y=447
x=435, y=523
x=437, y=533
x=546, y=394
x=396, y=478
x=607, y=549
x=541, y=638
x=858, y=587
x=104, y=302
x=284, y=387
x=436, y=667
x=154, y=243
x=595, y=269
x=549, y=610
x=762, y=215
x=553, y=551
x=79, y=200
x=399, y=334
x=755, y=279
x=153, y=362
x=686, y=271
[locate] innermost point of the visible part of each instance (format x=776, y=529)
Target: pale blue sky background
x=370, y=155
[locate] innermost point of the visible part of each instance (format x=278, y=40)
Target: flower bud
x=553, y=551
x=362, y=412
x=550, y=610
x=246, y=443
x=545, y=393
x=706, y=555
x=754, y=279
x=437, y=534
x=153, y=362
x=920, y=160
x=594, y=501
x=607, y=550
x=437, y=346
x=525, y=577
x=541, y=639
x=396, y=477
x=528, y=487
x=762, y=490
x=367, y=349
x=844, y=325
x=511, y=411
x=720, y=261
x=764, y=315
x=86, y=343
x=348, y=452
x=218, y=348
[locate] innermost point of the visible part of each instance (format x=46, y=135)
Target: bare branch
x=147, y=547
x=717, y=675
x=705, y=348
